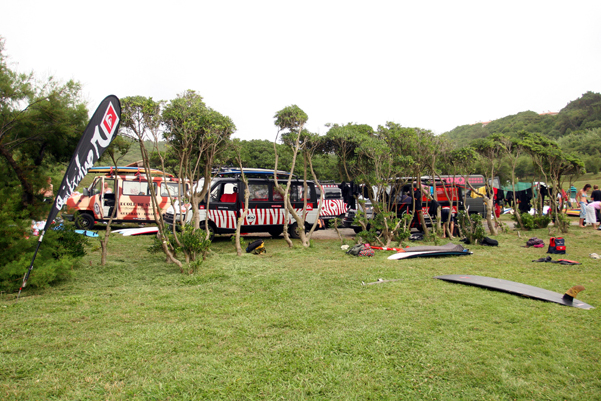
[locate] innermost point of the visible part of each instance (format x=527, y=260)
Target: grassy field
x=298, y=324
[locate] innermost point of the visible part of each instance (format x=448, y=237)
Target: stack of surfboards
x=449, y=249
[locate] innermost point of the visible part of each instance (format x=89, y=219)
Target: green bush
x=45, y=271
x=59, y=252
x=471, y=225
x=527, y=220
x=193, y=242
x=542, y=221
x=531, y=222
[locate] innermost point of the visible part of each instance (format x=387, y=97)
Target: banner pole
x=28, y=272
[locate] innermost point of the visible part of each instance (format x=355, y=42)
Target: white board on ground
x=137, y=231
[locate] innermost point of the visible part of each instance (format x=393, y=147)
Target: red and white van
x=127, y=189
x=333, y=204
x=266, y=206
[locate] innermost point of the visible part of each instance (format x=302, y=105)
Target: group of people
x=589, y=210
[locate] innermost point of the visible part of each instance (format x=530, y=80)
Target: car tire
x=211, y=231
x=84, y=221
x=275, y=233
x=293, y=232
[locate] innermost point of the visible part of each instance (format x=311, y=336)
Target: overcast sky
x=428, y=64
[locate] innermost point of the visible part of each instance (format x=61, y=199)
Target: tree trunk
x=490, y=210
x=28, y=195
x=162, y=232
x=516, y=211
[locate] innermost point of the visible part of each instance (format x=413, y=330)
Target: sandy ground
x=330, y=233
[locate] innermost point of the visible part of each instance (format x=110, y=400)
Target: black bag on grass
x=256, y=247
x=489, y=241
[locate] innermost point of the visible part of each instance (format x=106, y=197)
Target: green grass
x=298, y=324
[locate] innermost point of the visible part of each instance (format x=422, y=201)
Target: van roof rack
x=257, y=172
x=110, y=170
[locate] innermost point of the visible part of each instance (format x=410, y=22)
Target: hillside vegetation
x=576, y=128
x=578, y=116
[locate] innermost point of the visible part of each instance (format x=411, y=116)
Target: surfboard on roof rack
x=125, y=170
x=252, y=172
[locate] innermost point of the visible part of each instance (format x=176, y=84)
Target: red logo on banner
x=110, y=120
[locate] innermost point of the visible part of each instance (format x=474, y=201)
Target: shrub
x=542, y=221
x=46, y=271
x=59, y=252
x=471, y=225
x=191, y=242
x=531, y=222
x=527, y=220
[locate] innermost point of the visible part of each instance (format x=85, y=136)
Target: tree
x=382, y=160
x=290, y=122
x=114, y=152
x=491, y=150
x=197, y=134
x=461, y=161
x=553, y=164
x=343, y=141
x=514, y=148
x=40, y=125
x=141, y=118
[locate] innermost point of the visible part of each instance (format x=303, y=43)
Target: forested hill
x=581, y=114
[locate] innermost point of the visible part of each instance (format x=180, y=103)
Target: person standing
x=596, y=194
x=596, y=197
x=581, y=196
x=591, y=213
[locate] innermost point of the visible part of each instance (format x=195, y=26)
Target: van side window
x=227, y=192
x=258, y=192
x=215, y=193
x=277, y=197
x=135, y=188
x=296, y=193
x=170, y=188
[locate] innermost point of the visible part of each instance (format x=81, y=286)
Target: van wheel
x=293, y=232
x=84, y=221
x=275, y=233
x=210, y=230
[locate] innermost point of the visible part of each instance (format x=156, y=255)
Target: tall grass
x=298, y=324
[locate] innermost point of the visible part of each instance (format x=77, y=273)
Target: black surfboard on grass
x=525, y=290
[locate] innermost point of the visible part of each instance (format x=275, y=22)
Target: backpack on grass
x=557, y=245
x=361, y=250
x=535, y=242
x=257, y=247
